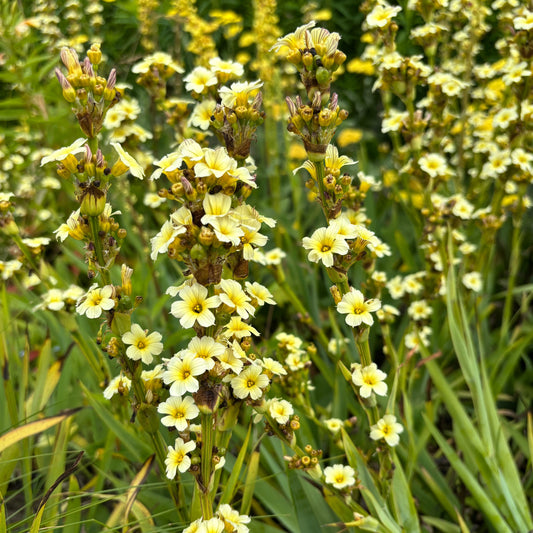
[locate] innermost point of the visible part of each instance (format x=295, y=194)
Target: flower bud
x=93, y=201
x=323, y=77
x=307, y=60
x=198, y=252
x=94, y=54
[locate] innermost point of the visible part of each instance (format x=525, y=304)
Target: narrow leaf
x=32, y=428
x=231, y=485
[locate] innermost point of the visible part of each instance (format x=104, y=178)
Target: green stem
x=363, y=346
x=514, y=264
x=208, y=440
x=94, y=224
x=320, y=174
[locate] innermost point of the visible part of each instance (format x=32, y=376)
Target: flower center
x=186, y=374
x=197, y=308
x=141, y=345
x=250, y=383
x=325, y=248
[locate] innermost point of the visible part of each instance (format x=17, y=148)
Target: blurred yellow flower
x=360, y=66
x=349, y=136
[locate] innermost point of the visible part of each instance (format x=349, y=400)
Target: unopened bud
x=190, y=193
x=292, y=106
x=242, y=112
x=337, y=297
x=294, y=57
x=93, y=201
x=307, y=59
x=306, y=113
x=323, y=77
x=69, y=94
x=70, y=60
x=339, y=57
x=94, y=54
x=325, y=117
x=207, y=236
x=109, y=91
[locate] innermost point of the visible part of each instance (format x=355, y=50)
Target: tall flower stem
x=320, y=174
x=94, y=224
x=208, y=440
x=514, y=265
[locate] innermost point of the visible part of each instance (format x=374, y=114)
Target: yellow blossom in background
x=361, y=66
x=473, y=281
x=334, y=424
x=349, y=136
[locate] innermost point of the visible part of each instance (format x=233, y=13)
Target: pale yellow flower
x=238, y=329
x=357, y=309
x=323, y=244
x=128, y=161
x=227, y=230
x=260, y=294
x=195, y=306
x=205, y=348
x=199, y=80
x=164, y=238
x=370, y=379
x=142, y=345
x=250, y=382
x=181, y=372
x=179, y=411
x=340, y=476
x=387, y=428
x=96, y=301
x=202, y=113
x=473, y=281
x=77, y=147
x=382, y=15
x=280, y=410
x=239, y=93
x=216, y=163
x=177, y=458
x=215, y=206
x=118, y=385
x=160, y=60
x=235, y=298
x=419, y=310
